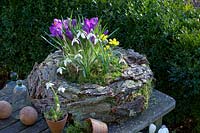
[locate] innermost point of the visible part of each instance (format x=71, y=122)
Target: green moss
x=145, y=91
x=78, y=127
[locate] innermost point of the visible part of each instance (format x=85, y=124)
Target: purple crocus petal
x=87, y=23
x=66, y=23
x=56, y=28
x=69, y=34
x=90, y=24
x=92, y=39
x=93, y=22
x=57, y=23
x=74, y=22
x=105, y=32
x=55, y=32
x=86, y=29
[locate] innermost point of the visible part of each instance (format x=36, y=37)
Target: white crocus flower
x=78, y=56
x=60, y=70
x=67, y=61
x=75, y=40
x=61, y=89
x=48, y=85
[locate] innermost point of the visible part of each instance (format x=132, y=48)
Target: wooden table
x=160, y=104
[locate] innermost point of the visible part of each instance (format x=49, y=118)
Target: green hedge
x=23, y=22
x=167, y=31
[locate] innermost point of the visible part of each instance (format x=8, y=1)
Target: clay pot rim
x=64, y=118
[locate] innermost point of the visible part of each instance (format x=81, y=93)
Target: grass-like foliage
x=88, y=54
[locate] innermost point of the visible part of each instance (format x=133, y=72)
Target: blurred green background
x=166, y=31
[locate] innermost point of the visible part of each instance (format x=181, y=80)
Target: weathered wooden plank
x=17, y=126
x=6, y=122
x=14, y=128
x=46, y=131
x=9, y=121
x=36, y=128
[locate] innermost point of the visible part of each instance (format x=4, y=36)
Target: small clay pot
x=57, y=126
x=97, y=126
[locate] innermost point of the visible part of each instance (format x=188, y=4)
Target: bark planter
x=123, y=97
x=57, y=126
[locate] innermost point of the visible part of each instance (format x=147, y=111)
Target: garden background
x=166, y=31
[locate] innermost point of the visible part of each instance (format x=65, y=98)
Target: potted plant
x=55, y=117
x=104, y=81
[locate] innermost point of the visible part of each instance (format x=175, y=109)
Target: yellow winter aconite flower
x=113, y=42
x=103, y=37
x=107, y=47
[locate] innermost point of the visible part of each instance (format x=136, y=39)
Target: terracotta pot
x=58, y=126
x=97, y=126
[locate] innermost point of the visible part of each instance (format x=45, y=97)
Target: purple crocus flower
x=90, y=24
x=69, y=34
x=66, y=23
x=93, y=22
x=74, y=22
x=105, y=32
x=56, y=28
x=86, y=29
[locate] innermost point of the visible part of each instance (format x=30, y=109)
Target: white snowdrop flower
x=91, y=35
x=60, y=70
x=82, y=34
x=61, y=89
x=96, y=41
x=48, y=85
x=152, y=128
x=75, y=40
x=67, y=61
x=78, y=56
